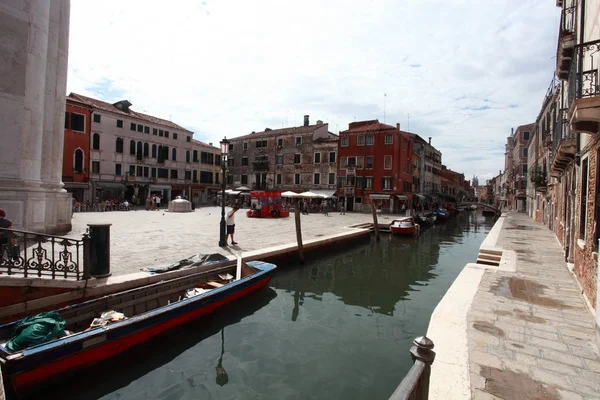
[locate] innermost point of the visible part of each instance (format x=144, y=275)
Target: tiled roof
x=296, y=130
x=368, y=126
x=204, y=144
x=102, y=105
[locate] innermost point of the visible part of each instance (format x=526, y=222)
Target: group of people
x=116, y=204
x=153, y=202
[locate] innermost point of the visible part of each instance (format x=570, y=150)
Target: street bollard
x=99, y=250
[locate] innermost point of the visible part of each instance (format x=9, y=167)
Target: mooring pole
x=299, y=232
x=375, y=223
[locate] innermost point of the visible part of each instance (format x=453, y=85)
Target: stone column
x=32, y=101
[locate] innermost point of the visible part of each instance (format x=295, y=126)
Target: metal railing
x=584, y=71
x=30, y=254
x=415, y=384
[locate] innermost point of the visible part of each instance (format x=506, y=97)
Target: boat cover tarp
x=37, y=329
x=191, y=262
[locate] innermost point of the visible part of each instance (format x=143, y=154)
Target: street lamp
x=224, y=152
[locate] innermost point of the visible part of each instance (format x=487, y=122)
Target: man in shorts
x=231, y=225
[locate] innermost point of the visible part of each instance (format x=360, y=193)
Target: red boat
x=403, y=226
x=135, y=316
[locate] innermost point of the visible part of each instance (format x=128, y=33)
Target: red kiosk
x=266, y=205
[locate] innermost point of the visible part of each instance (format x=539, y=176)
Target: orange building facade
x=76, y=149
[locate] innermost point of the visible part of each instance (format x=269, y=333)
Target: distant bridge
x=479, y=205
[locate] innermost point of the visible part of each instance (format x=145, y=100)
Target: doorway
x=349, y=203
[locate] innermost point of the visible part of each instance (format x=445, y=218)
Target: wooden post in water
x=375, y=223
x=299, y=232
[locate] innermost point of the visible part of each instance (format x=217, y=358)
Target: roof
x=331, y=138
x=102, y=105
x=267, y=133
x=368, y=126
x=204, y=144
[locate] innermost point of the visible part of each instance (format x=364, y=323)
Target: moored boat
x=442, y=215
x=99, y=329
x=426, y=219
x=403, y=226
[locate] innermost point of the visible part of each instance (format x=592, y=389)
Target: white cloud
x=231, y=67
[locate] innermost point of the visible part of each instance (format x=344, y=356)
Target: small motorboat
x=442, y=215
x=426, y=219
x=403, y=226
x=89, y=332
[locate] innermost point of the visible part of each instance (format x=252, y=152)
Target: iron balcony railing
x=562, y=131
x=584, y=72
x=30, y=254
x=567, y=20
x=415, y=385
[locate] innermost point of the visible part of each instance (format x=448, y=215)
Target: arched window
x=78, y=161
x=174, y=154
x=96, y=142
x=161, y=155
x=132, y=147
x=146, y=150
x=166, y=152
x=187, y=156
x=153, y=151
x=119, y=148
x=138, y=152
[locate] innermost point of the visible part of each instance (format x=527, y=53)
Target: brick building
x=452, y=183
x=375, y=166
x=516, y=158
x=76, y=150
x=297, y=158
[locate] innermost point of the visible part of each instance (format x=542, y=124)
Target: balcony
x=260, y=186
x=566, y=42
x=261, y=165
x=564, y=145
x=584, y=89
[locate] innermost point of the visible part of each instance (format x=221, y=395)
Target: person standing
x=6, y=224
x=231, y=225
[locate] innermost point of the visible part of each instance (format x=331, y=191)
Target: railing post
x=100, y=250
x=87, y=263
x=422, y=350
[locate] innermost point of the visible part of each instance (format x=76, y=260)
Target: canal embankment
x=516, y=326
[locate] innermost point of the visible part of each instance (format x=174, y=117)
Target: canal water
x=339, y=327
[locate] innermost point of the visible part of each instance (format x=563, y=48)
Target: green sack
x=35, y=330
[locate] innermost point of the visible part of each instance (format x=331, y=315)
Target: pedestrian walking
x=342, y=209
x=231, y=225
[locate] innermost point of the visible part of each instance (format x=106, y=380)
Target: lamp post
x=224, y=152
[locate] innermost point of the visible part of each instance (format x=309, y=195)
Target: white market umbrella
x=290, y=194
x=309, y=194
x=242, y=188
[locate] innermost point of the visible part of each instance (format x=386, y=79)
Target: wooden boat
x=442, y=215
x=148, y=311
x=403, y=226
x=426, y=219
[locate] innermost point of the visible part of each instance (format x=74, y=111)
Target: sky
x=463, y=72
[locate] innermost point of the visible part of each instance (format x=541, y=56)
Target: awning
x=232, y=192
x=109, y=185
x=76, y=185
x=289, y=194
x=243, y=188
x=420, y=196
x=379, y=196
x=325, y=193
x=401, y=197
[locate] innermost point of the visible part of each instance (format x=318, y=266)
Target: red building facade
x=76, y=149
x=375, y=167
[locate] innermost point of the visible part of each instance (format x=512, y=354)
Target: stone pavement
x=142, y=238
x=530, y=332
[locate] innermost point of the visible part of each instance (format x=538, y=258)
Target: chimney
x=210, y=143
x=430, y=140
x=512, y=131
x=398, y=125
x=319, y=122
x=306, y=120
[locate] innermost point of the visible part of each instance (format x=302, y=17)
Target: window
x=217, y=179
x=297, y=158
x=174, y=154
x=317, y=178
x=147, y=129
x=154, y=131
x=525, y=152
x=166, y=134
x=360, y=140
x=96, y=142
x=119, y=146
x=161, y=133
x=188, y=139
x=78, y=161
x=260, y=144
x=278, y=179
x=359, y=182
x=66, y=120
x=78, y=122
x=389, y=139
x=140, y=128
x=119, y=123
x=132, y=147
x=153, y=173
x=526, y=135
x=118, y=168
x=351, y=162
x=166, y=152
x=280, y=142
x=345, y=141
x=146, y=150
x=279, y=159
x=132, y=126
x=331, y=178
x=245, y=145
x=524, y=169
x=584, y=194
x=173, y=174
x=296, y=179
x=195, y=156
x=195, y=176
x=317, y=158
x=369, y=162
x=370, y=140
x=139, y=152
x=405, y=145
x=174, y=136
x=244, y=179
x=230, y=148
x=187, y=156
x=163, y=173
x=139, y=171
x=244, y=161
x=368, y=182
x=146, y=172
x=153, y=151
x=206, y=158
x=386, y=183
x=97, y=118
x=231, y=162
x=298, y=140
x=387, y=162
x=95, y=167
x=332, y=156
